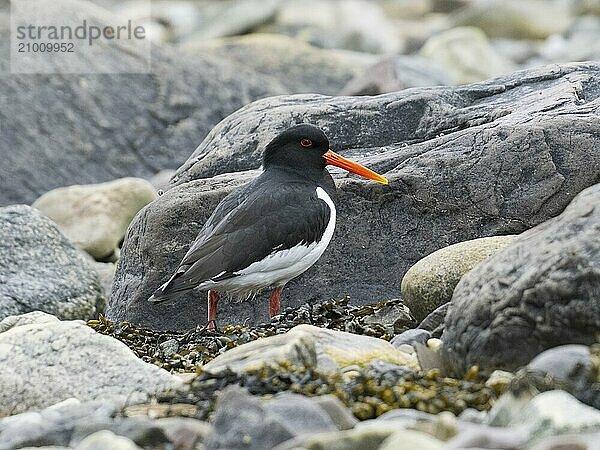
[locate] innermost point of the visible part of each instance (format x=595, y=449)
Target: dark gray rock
x=40, y=269
x=541, y=291
x=339, y=413
x=96, y=128
x=300, y=414
x=434, y=322
x=388, y=130
x=492, y=158
x=245, y=422
x=411, y=336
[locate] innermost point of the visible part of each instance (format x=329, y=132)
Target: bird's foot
x=211, y=325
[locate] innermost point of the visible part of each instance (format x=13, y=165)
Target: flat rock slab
x=541, y=291
x=40, y=269
x=77, y=129
x=492, y=158
x=310, y=346
x=48, y=361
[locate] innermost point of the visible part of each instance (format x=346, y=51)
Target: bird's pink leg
x=213, y=300
x=275, y=302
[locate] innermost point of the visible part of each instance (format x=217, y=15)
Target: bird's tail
x=168, y=291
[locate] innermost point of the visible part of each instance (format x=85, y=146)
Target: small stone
x=104, y=439
x=184, y=432
x=234, y=18
x=399, y=418
x=299, y=413
x=548, y=413
x=411, y=336
x=406, y=348
x=169, y=348
x=434, y=322
x=358, y=25
x=357, y=439
x=96, y=216
x=569, y=441
x=444, y=426
x=25, y=319
x=244, y=421
x=54, y=425
x=499, y=380
x=409, y=440
x=475, y=435
x=531, y=19
x=435, y=344
x=156, y=411
x=394, y=315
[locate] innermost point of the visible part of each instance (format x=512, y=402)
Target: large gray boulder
x=300, y=67
x=47, y=361
x=541, y=291
x=59, y=130
x=40, y=269
x=492, y=158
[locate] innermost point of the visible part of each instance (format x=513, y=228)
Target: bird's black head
x=300, y=148
x=305, y=149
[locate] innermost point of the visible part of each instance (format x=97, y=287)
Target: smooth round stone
x=431, y=281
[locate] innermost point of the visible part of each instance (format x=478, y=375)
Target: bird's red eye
x=306, y=143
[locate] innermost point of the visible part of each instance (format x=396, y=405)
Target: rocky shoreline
x=456, y=307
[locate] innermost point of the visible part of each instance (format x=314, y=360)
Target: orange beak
x=339, y=161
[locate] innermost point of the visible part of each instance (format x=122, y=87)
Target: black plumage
x=270, y=230
x=275, y=212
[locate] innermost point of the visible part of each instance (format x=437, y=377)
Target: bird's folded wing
x=260, y=225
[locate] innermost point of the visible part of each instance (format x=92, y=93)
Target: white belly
x=280, y=266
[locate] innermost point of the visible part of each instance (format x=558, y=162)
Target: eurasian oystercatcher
x=270, y=230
